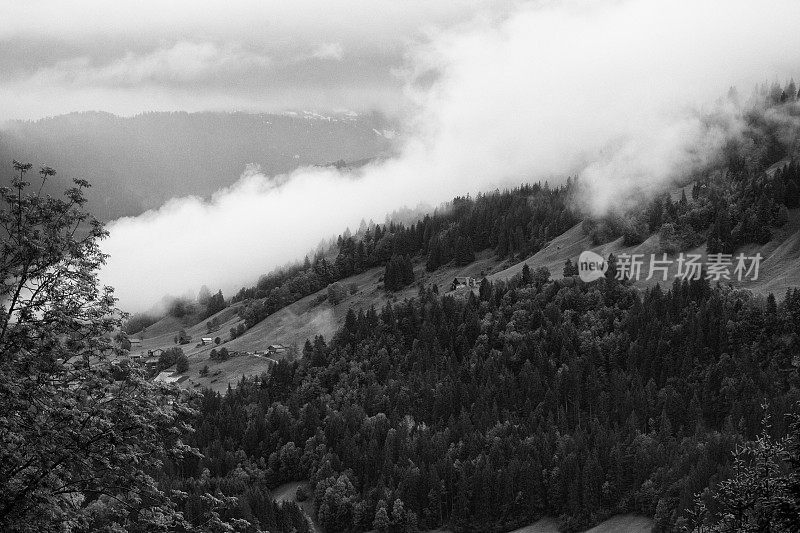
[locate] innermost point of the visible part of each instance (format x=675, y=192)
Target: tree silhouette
x=77, y=440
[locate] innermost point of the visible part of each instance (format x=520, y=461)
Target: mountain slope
x=312, y=315
x=779, y=269
x=293, y=324
x=137, y=163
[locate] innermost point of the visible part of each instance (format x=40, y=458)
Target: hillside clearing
x=313, y=315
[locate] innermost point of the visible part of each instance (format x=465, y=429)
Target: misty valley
x=442, y=269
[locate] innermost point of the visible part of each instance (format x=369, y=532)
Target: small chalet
x=276, y=349
x=463, y=282
x=206, y=340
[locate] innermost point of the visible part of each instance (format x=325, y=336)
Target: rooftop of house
x=168, y=376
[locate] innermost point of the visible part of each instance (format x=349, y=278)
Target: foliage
x=182, y=337
x=734, y=201
x=80, y=443
x=336, y=293
x=203, y=295
x=138, y=322
x=759, y=495
x=515, y=222
x=180, y=307
x=570, y=268
x=214, y=304
x=181, y=364
x=169, y=357
x=237, y=331
x=219, y=355
x=541, y=398
x=399, y=273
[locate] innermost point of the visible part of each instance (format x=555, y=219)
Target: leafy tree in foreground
x=759, y=495
x=77, y=449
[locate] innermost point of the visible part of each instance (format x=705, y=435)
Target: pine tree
x=485, y=290
x=464, y=251
x=203, y=295
x=567, y=271
x=772, y=306
x=570, y=268
x=526, y=274
x=611, y=272
x=399, y=273
x=791, y=90
x=398, y=514
x=182, y=364
x=381, y=521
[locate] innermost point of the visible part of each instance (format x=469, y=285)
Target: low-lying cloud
x=608, y=90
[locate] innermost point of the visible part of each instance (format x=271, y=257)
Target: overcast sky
x=127, y=57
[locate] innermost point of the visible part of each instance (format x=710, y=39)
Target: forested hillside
x=513, y=223
x=535, y=398
x=530, y=396
x=502, y=266
x=138, y=163
x=735, y=199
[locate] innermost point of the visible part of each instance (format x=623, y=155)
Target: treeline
x=512, y=223
x=725, y=209
x=737, y=199
x=139, y=321
x=534, y=398
x=399, y=273
x=239, y=502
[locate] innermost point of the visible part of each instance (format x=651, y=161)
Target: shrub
x=139, y=322
x=336, y=293
x=182, y=364
x=169, y=357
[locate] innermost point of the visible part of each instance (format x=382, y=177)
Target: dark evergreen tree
x=526, y=274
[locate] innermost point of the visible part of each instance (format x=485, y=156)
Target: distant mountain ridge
x=137, y=163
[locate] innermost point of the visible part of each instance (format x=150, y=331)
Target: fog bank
x=607, y=90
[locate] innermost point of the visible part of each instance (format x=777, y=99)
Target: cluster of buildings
x=150, y=358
